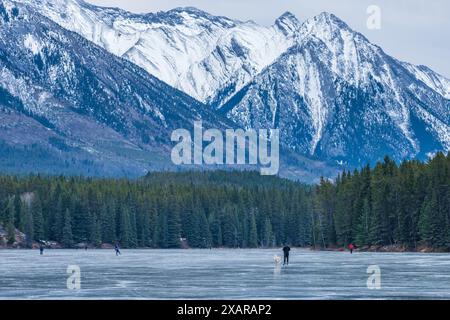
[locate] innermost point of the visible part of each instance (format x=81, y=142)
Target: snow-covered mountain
x=67, y=105
x=432, y=79
x=336, y=96
x=208, y=57
x=112, y=90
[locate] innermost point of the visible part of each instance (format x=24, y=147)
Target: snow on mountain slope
x=78, y=103
x=69, y=106
x=239, y=55
x=432, y=79
x=334, y=95
x=207, y=57
x=338, y=97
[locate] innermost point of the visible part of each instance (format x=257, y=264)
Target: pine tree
x=67, y=236
x=17, y=210
x=268, y=235
x=80, y=218
x=229, y=229
x=173, y=225
x=28, y=224
x=161, y=234
x=124, y=228
x=253, y=233
x=408, y=204
x=108, y=221
x=57, y=224
x=379, y=223
x=363, y=233
x=10, y=228
x=432, y=224
x=133, y=228
x=38, y=219
x=344, y=210
x=204, y=231
x=94, y=231
x=216, y=229
x=146, y=227
x=325, y=209
x=191, y=227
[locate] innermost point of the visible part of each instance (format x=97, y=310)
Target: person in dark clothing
x=116, y=247
x=286, y=250
x=41, y=249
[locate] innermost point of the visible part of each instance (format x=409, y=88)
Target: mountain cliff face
x=66, y=104
x=85, y=88
x=336, y=96
x=205, y=56
x=69, y=106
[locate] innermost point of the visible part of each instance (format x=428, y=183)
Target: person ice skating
x=116, y=247
x=351, y=247
x=286, y=250
x=41, y=249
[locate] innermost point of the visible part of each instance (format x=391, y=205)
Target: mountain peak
x=327, y=16
x=325, y=26
x=287, y=15
x=288, y=23
x=192, y=11
x=189, y=10
x=328, y=19
x=196, y=13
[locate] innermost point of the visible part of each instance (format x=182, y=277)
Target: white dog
x=277, y=259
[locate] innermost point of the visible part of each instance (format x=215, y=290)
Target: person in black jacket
x=286, y=250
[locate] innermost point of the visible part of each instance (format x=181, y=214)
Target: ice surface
x=221, y=274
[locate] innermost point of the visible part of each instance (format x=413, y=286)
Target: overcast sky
x=417, y=31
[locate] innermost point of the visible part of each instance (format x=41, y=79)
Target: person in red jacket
x=351, y=247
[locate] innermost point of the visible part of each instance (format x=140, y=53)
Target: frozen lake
x=221, y=274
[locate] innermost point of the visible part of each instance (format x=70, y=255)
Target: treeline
x=219, y=209
x=407, y=205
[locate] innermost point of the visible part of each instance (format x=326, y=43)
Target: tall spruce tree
x=173, y=225
x=253, y=232
x=10, y=227
x=28, y=224
x=67, y=236
x=38, y=219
